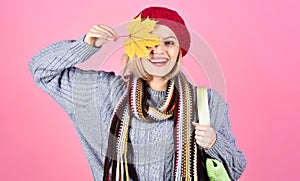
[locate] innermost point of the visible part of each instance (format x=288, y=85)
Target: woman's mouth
x=159, y=62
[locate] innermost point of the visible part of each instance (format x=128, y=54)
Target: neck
x=158, y=83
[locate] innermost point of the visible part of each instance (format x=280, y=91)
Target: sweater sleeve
x=54, y=71
x=225, y=148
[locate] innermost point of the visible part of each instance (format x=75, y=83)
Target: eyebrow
x=169, y=37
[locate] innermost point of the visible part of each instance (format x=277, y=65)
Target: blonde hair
x=136, y=67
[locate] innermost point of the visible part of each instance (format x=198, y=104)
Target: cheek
x=173, y=52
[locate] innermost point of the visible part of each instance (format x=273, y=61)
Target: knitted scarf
x=178, y=104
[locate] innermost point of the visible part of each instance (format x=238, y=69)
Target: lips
x=159, y=61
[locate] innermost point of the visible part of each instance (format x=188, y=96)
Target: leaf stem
x=123, y=35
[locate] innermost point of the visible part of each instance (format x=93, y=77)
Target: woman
x=140, y=126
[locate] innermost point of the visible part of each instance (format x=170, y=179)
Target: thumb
x=196, y=124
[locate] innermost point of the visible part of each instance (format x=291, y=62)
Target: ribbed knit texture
x=171, y=19
x=90, y=97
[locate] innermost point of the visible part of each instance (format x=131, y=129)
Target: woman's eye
x=169, y=43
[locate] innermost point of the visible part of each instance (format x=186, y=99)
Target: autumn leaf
x=140, y=38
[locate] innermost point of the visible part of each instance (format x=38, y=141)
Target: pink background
x=256, y=42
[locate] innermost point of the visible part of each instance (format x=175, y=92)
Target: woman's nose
x=159, y=48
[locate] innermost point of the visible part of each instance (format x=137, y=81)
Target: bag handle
x=202, y=106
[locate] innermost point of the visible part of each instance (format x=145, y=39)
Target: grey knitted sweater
x=90, y=98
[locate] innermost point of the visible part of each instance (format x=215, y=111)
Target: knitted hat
x=171, y=19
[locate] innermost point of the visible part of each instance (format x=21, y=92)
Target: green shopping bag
x=216, y=170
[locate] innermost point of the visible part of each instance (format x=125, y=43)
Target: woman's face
x=164, y=56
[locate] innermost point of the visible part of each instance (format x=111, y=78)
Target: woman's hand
x=100, y=34
x=205, y=135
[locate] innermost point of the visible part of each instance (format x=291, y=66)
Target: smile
x=159, y=62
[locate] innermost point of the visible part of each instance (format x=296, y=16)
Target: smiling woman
x=141, y=127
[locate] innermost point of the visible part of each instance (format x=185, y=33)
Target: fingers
x=205, y=136
x=203, y=142
x=200, y=133
x=100, y=34
x=108, y=30
x=105, y=32
x=200, y=127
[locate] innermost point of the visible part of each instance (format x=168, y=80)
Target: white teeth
x=159, y=60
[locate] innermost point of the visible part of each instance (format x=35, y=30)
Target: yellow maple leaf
x=140, y=38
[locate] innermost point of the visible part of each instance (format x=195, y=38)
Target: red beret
x=171, y=19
